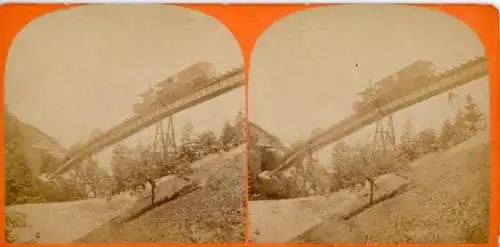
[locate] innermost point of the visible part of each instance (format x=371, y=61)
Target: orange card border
x=247, y=22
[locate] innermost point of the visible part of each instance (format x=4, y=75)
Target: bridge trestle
x=164, y=145
x=86, y=182
x=384, y=138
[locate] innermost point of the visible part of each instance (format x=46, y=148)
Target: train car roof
x=164, y=82
x=147, y=92
x=365, y=91
x=404, y=69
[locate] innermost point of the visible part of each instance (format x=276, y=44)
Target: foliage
x=474, y=119
x=447, y=135
x=307, y=175
x=459, y=126
x=48, y=163
x=208, y=142
x=228, y=136
x=187, y=133
x=133, y=168
x=13, y=220
x=239, y=129
x=20, y=185
x=406, y=147
x=426, y=142
x=127, y=172
x=354, y=164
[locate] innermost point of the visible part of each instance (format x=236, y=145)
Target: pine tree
x=459, y=127
x=473, y=117
x=407, y=131
x=228, y=136
x=406, y=147
x=447, y=134
x=19, y=182
x=187, y=133
x=239, y=128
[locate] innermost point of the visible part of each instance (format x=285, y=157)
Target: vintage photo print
x=124, y=123
x=369, y=124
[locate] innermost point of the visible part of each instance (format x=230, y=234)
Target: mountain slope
x=265, y=137
x=448, y=202
x=31, y=137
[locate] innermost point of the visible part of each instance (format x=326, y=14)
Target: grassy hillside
x=211, y=214
x=448, y=202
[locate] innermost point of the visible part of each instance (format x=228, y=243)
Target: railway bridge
x=215, y=87
x=441, y=83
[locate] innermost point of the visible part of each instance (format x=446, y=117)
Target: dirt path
x=63, y=222
x=279, y=220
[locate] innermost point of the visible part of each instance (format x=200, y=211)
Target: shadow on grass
x=136, y=213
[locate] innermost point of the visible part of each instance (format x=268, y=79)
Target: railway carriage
x=410, y=78
x=177, y=86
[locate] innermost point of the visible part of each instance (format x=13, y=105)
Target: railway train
x=412, y=77
x=173, y=88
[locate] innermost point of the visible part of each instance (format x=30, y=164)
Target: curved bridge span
x=457, y=76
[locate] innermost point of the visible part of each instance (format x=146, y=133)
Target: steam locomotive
x=410, y=78
x=175, y=87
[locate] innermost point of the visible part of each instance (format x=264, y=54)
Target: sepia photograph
x=369, y=124
x=124, y=124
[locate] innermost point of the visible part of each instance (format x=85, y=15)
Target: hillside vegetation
x=211, y=214
x=448, y=202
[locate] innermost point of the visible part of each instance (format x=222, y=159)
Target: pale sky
x=78, y=70
x=302, y=75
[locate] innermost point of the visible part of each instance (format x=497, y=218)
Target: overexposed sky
x=74, y=71
x=302, y=73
